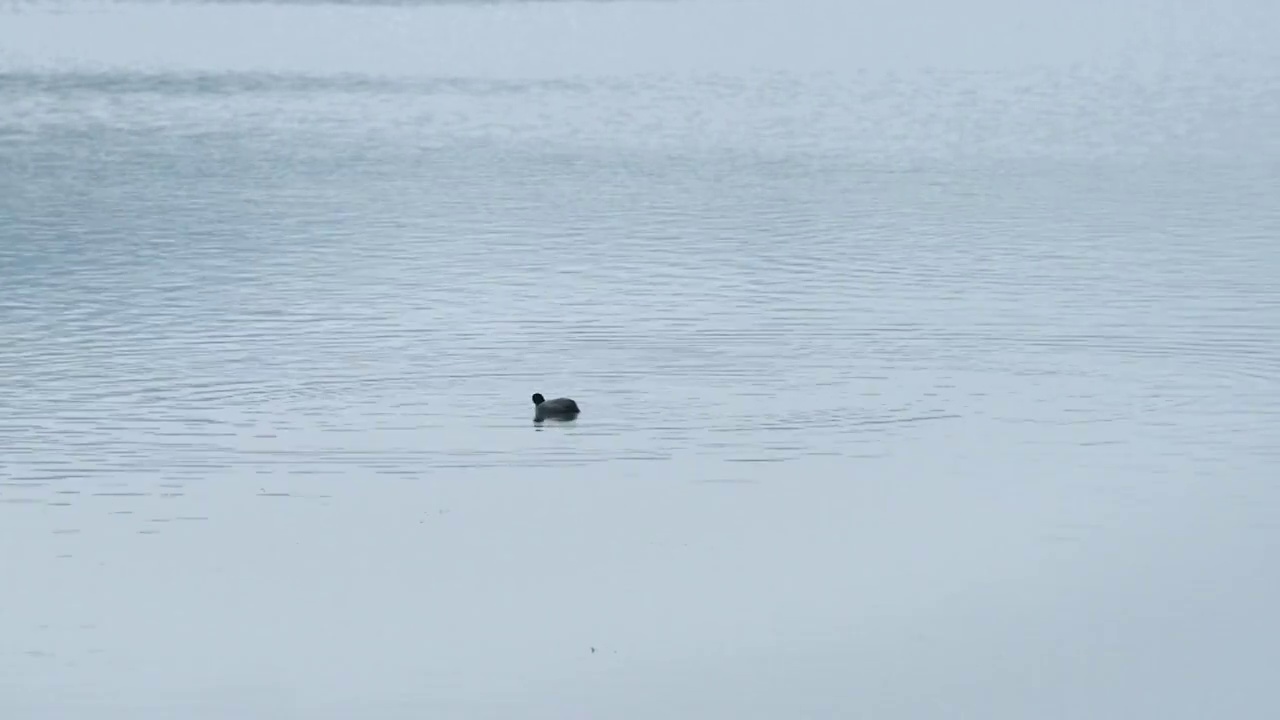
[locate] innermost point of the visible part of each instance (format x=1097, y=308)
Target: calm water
x=928, y=359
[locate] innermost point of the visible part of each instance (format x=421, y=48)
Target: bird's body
x=558, y=409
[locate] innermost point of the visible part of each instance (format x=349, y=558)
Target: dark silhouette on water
x=558, y=409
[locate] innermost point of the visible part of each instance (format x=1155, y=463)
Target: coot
x=558, y=409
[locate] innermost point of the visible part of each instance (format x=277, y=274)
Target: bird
x=558, y=409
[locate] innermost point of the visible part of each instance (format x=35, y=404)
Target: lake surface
x=928, y=358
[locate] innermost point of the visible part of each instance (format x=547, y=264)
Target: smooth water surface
x=928, y=359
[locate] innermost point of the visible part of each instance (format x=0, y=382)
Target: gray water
x=928, y=358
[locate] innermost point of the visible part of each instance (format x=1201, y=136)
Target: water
x=928, y=359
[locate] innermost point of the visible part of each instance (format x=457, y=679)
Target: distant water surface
x=928, y=357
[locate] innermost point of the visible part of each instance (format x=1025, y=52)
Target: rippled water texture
x=928, y=360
